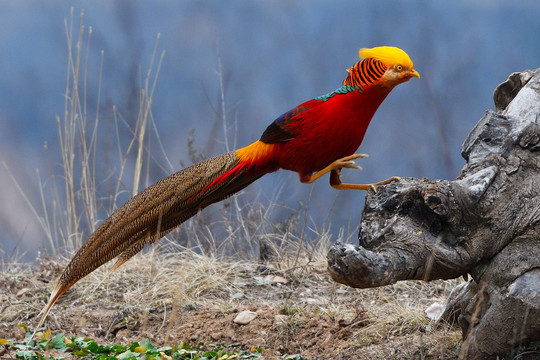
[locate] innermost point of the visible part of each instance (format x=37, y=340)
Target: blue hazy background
x=274, y=55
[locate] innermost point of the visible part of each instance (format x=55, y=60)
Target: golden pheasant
x=317, y=137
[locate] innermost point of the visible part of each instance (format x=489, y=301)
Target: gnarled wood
x=485, y=223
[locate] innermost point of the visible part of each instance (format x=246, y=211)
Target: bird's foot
x=387, y=181
x=336, y=166
x=337, y=184
x=347, y=162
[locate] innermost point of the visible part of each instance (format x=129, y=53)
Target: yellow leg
x=342, y=186
x=335, y=174
x=346, y=162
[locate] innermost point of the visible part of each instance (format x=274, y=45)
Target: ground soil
x=309, y=315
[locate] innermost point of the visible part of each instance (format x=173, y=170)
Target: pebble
x=245, y=317
x=275, y=279
x=238, y=295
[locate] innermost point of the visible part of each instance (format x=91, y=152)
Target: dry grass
x=70, y=205
x=171, y=295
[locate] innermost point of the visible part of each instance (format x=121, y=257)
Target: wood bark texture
x=486, y=223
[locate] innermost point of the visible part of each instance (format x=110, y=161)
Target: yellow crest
x=388, y=55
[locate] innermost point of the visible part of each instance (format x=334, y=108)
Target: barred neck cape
x=365, y=72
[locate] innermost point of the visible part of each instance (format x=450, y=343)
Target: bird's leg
x=335, y=173
x=346, y=162
x=336, y=183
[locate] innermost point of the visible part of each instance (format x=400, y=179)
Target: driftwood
x=486, y=223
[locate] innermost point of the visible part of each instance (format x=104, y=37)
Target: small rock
x=305, y=292
x=22, y=292
x=245, y=317
x=295, y=356
x=260, y=280
x=275, y=279
x=434, y=311
x=238, y=295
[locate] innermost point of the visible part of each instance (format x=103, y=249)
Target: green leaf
x=128, y=355
x=93, y=347
x=146, y=343
x=166, y=349
x=185, y=346
x=26, y=355
x=118, y=349
x=106, y=357
x=57, y=342
x=81, y=352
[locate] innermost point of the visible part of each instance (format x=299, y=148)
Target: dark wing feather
x=278, y=131
x=275, y=134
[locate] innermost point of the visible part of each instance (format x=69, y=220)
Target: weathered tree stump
x=486, y=223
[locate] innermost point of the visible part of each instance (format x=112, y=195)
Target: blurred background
x=223, y=70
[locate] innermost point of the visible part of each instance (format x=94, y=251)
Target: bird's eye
x=399, y=68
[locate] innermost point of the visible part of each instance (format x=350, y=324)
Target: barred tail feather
x=152, y=214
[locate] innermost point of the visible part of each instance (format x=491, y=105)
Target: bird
x=317, y=137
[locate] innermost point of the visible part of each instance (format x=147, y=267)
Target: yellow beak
x=415, y=73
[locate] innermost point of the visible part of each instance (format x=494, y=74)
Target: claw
x=348, y=165
x=354, y=156
x=387, y=181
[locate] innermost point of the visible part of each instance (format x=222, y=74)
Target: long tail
x=152, y=214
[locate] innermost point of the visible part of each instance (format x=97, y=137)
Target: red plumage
x=328, y=131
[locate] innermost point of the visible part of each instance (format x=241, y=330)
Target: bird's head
x=385, y=66
x=399, y=67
